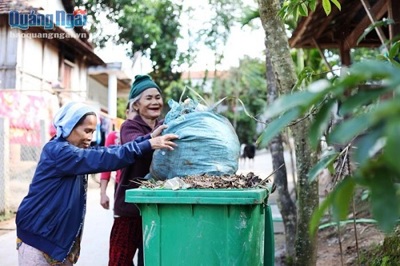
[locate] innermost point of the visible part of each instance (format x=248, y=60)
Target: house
x=342, y=29
x=43, y=58
x=46, y=60
x=347, y=29
x=107, y=83
x=53, y=58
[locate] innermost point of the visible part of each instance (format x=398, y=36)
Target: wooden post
x=373, y=20
x=4, y=164
x=393, y=8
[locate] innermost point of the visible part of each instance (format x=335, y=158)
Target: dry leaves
x=249, y=180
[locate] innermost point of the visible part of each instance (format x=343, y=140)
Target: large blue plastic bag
x=207, y=144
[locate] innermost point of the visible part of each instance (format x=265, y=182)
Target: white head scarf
x=68, y=116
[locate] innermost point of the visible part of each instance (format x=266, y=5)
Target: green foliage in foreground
x=367, y=122
x=387, y=254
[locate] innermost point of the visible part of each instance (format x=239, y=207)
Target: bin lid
x=197, y=196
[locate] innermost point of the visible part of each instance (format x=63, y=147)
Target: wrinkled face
x=81, y=136
x=150, y=104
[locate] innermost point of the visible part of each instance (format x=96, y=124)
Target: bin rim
x=245, y=196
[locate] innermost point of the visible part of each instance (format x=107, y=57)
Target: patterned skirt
x=125, y=239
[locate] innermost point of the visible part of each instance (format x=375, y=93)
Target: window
x=67, y=74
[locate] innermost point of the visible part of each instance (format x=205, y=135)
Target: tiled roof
x=27, y=6
x=80, y=43
x=20, y=5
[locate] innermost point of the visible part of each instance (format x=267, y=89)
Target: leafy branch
x=365, y=106
x=297, y=8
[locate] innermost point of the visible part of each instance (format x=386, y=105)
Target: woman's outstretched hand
x=163, y=142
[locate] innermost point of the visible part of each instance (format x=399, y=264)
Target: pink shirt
x=113, y=138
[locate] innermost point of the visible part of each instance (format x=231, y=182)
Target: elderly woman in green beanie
x=126, y=234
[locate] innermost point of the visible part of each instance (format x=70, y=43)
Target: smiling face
x=150, y=104
x=81, y=136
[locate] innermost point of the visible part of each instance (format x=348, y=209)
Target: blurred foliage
x=359, y=54
x=179, y=91
x=147, y=27
x=247, y=83
x=310, y=66
x=241, y=91
x=367, y=120
x=215, y=33
x=121, y=107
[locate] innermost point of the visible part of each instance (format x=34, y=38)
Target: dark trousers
x=125, y=239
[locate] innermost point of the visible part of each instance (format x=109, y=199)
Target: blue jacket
x=51, y=216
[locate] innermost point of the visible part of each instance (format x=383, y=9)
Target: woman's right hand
x=104, y=201
x=163, y=142
x=158, y=131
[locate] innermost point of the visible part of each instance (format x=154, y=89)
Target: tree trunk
x=306, y=249
x=283, y=66
x=286, y=205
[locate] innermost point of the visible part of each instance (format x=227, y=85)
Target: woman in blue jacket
x=50, y=218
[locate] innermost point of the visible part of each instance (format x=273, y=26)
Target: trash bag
x=207, y=143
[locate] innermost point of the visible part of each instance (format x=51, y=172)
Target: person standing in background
x=126, y=233
x=113, y=138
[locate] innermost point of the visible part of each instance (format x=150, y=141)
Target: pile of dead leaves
x=249, y=180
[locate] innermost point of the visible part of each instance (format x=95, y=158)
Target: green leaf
x=276, y=126
x=303, y=10
x=313, y=4
x=392, y=147
x=394, y=62
x=287, y=102
x=331, y=169
x=342, y=197
x=384, y=202
x=394, y=50
x=386, y=109
x=319, y=213
x=283, y=12
x=373, y=26
x=320, y=123
x=363, y=145
x=349, y=82
x=339, y=198
x=360, y=99
x=305, y=75
x=296, y=13
x=337, y=4
x=326, y=4
x=326, y=160
x=347, y=130
x=374, y=70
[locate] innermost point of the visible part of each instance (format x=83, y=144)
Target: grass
x=4, y=216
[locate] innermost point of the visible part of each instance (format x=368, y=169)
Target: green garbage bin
x=205, y=226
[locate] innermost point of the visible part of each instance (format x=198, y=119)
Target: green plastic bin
x=205, y=226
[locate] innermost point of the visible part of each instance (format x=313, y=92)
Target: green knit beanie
x=142, y=83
